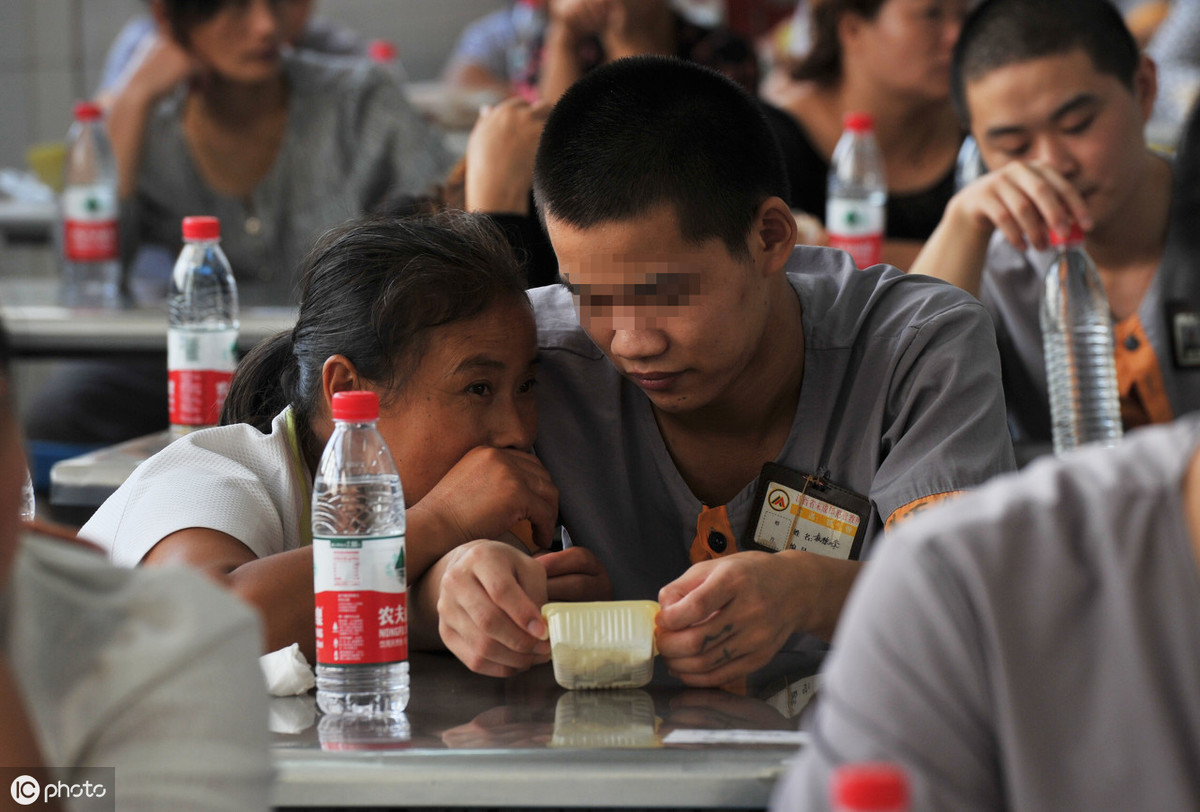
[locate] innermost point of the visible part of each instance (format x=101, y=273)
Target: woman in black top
x=889, y=58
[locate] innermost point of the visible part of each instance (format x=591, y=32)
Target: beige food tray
x=604, y=644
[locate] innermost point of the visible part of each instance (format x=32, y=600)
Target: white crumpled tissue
x=287, y=672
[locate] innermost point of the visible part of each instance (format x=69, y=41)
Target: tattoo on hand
x=710, y=639
x=725, y=656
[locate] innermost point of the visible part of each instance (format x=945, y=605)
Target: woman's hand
x=486, y=493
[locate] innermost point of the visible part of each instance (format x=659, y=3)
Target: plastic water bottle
x=856, y=207
x=358, y=529
x=385, y=54
x=969, y=166
x=1077, y=338
x=28, y=500
x=878, y=787
x=202, y=328
x=91, y=260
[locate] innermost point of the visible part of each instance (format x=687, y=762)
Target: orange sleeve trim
x=905, y=512
x=1139, y=376
x=714, y=535
x=523, y=530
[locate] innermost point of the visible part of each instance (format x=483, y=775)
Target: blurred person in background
x=889, y=58
x=1057, y=95
x=221, y=118
x=154, y=675
x=300, y=30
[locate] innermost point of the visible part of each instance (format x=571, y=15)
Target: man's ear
x=1145, y=86
x=338, y=374
x=773, y=235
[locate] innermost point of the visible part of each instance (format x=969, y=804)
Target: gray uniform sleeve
x=947, y=429
x=909, y=617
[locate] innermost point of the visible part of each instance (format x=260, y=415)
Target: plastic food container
x=605, y=644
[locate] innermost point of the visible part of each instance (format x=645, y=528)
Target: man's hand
x=500, y=154
x=726, y=618
x=581, y=17
x=506, y=487
x=575, y=574
x=489, y=608
x=1025, y=200
x=1022, y=199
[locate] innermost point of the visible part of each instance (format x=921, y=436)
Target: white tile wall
x=51, y=51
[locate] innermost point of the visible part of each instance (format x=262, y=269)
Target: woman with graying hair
x=430, y=313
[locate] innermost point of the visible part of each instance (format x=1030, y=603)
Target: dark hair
x=823, y=63
x=640, y=132
x=372, y=290
x=1003, y=32
x=182, y=15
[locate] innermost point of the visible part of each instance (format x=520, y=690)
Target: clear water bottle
x=871, y=787
x=358, y=525
x=28, y=500
x=202, y=328
x=385, y=54
x=969, y=166
x=856, y=207
x=1077, y=338
x=91, y=260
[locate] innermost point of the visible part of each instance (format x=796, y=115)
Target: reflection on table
x=469, y=740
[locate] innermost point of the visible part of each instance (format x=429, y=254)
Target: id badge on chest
x=796, y=511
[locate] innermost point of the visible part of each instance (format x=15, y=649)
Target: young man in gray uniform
x=1057, y=96
x=730, y=419
x=1030, y=646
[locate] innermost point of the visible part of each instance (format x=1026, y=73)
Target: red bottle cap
x=1072, y=237
x=870, y=787
x=381, y=51
x=356, y=406
x=87, y=111
x=201, y=228
x=858, y=122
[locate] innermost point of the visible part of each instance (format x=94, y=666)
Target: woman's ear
x=338, y=374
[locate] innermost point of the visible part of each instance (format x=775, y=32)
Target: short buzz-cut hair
x=650, y=130
x=1005, y=32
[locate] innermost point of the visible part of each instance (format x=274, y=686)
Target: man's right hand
x=1025, y=200
x=489, y=608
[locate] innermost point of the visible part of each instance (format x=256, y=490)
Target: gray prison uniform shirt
x=152, y=672
x=1011, y=289
x=351, y=140
x=901, y=401
x=1030, y=646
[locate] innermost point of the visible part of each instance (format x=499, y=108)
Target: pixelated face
x=908, y=45
x=473, y=387
x=1060, y=111
x=681, y=321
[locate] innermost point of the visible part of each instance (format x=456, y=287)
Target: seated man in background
x=152, y=674
x=1057, y=96
x=1031, y=646
x=709, y=391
